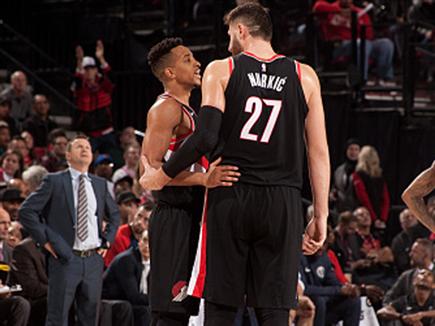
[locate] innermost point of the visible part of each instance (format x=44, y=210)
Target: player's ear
x=169, y=73
x=242, y=30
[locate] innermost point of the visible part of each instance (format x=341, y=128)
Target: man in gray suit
x=65, y=216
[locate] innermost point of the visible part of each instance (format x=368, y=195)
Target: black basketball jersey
x=263, y=125
x=181, y=196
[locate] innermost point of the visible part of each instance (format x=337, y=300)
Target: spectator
x=123, y=184
x=333, y=300
x=346, y=244
x=131, y=159
x=14, y=311
x=5, y=137
x=380, y=271
x=11, y=165
x=421, y=258
x=14, y=234
x=19, y=184
x=103, y=167
x=55, y=160
x=39, y=124
x=370, y=187
x=20, y=95
x=342, y=190
x=19, y=144
x=127, y=204
x=416, y=307
x=30, y=272
x=402, y=242
x=127, y=279
x=335, y=23
x=5, y=115
x=93, y=95
x=33, y=176
x=127, y=138
x=11, y=200
x=5, y=249
x=128, y=234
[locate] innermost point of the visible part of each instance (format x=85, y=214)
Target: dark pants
x=222, y=315
x=141, y=315
x=169, y=319
x=116, y=313
x=79, y=280
x=331, y=310
x=15, y=311
x=38, y=313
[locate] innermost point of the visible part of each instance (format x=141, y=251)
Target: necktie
x=143, y=287
x=82, y=210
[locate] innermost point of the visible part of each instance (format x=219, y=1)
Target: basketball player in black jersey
x=414, y=195
x=258, y=108
x=174, y=224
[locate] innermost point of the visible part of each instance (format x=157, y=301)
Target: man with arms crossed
x=174, y=223
x=414, y=195
x=257, y=108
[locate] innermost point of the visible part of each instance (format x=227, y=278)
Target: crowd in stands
x=357, y=261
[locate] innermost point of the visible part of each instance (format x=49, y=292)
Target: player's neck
x=261, y=48
x=179, y=93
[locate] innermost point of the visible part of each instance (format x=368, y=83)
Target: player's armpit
x=162, y=119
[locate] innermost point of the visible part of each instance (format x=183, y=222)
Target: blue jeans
x=381, y=50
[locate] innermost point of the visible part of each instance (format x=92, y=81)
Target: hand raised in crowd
x=79, y=56
x=99, y=52
x=388, y=313
x=221, y=175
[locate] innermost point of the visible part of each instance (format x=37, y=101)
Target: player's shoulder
x=219, y=65
x=309, y=79
x=164, y=106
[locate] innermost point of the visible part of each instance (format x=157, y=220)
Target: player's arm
x=413, y=196
x=162, y=120
x=318, y=157
x=206, y=135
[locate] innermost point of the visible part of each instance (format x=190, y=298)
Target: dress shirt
x=92, y=241
x=143, y=288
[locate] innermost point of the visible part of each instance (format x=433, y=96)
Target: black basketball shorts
x=173, y=237
x=249, y=247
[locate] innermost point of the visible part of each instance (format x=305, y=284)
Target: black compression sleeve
x=202, y=141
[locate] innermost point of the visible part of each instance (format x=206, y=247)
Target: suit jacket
x=28, y=269
x=7, y=253
x=121, y=281
x=48, y=214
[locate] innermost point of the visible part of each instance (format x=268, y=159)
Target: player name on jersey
x=273, y=82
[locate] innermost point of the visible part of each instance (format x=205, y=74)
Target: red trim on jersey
x=204, y=163
x=276, y=56
x=298, y=69
x=230, y=64
x=200, y=279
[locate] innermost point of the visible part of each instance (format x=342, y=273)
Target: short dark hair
x=255, y=17
x=158, y=55
x=55, y=133
x=345, y=218
x=79, y=136
x=427, y=245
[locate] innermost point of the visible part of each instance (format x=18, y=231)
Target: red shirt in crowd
x=335, y=23
x=121, y=243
